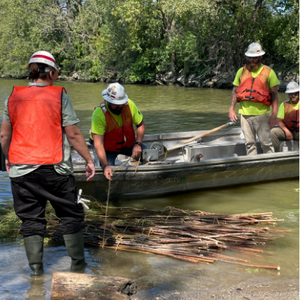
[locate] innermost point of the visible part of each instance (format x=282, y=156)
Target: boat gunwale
x=186, y=134
x=189, y=134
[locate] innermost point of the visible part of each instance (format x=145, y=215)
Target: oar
x=181, y=144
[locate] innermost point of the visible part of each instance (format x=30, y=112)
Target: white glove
x=82, y=200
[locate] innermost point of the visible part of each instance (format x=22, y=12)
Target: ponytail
x=39, y=71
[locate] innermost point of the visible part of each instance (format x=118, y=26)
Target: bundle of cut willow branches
x=192, y=236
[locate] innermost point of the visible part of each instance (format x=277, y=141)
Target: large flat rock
x=85, y=286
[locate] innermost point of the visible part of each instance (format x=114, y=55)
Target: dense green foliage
x=136, y=40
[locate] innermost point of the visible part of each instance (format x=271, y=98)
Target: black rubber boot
x=75, y=247
x=34, y=246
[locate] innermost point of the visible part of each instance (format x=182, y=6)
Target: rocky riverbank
x=218, y=80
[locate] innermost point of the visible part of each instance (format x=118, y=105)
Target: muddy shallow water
x=157, y=275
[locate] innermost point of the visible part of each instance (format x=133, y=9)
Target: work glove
x=82, y=200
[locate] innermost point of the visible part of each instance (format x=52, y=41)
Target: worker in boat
x=255, y=89
x=112, y=131
x=39, y=126
x=288, y=118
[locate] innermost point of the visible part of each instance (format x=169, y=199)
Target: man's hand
x=89, y=170
x=136, y=151
x=273, y=120
x=107, y=172
x=232, y=115
x=288, y=135
x=7, y=165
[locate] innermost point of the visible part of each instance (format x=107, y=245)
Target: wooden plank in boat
x=73, y=286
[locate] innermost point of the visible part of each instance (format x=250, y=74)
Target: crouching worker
x=288, y=118
x=39, y=123
x=112, y=131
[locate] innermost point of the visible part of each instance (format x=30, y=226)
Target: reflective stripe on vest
x=291, y=116
x=36, y=117
x=254, y=89
x=116, y=137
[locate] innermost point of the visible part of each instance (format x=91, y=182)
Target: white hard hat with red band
x=254, y=50
x=43, y=57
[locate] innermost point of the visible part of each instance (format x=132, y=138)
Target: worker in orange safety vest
x=288, y=118
x=112, y=131
x=255, y=89
x=39, y=126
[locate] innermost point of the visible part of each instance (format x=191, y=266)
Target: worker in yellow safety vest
x=288, y=118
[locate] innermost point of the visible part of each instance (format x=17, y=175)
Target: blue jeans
x=111, y=156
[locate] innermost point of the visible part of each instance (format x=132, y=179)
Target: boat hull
x=158, y=180
x=221, y=162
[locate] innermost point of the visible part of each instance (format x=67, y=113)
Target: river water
x=165, y=109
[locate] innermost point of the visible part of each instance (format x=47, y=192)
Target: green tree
x=134, y=40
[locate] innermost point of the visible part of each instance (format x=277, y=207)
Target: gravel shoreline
x=286, y=289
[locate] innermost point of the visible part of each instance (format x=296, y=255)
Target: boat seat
x=220, y=150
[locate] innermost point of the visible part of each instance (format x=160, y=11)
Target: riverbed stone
x=182, y=79
x=169, y=79
x=75, y=76
x=76, y=286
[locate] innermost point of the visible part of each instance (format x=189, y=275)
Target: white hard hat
x=115, y=94
x=254, y=50
x=43, y=57
x=292, y=87
x=104, y=94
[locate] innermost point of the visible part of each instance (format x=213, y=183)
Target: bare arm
x=274, y=99
x=140, y=132
x=99, y=147
x=77, y=140
x=232, y=114
x=6, y=132
x=288, y=134
x=5, y=137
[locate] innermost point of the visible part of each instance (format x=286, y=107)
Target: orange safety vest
x=291, y=116
x=254, y=89
x=35, y=113
x=116, y=137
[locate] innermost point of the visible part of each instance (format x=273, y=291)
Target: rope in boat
x=122, y=164
x=137, y=166
x=107, y=201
